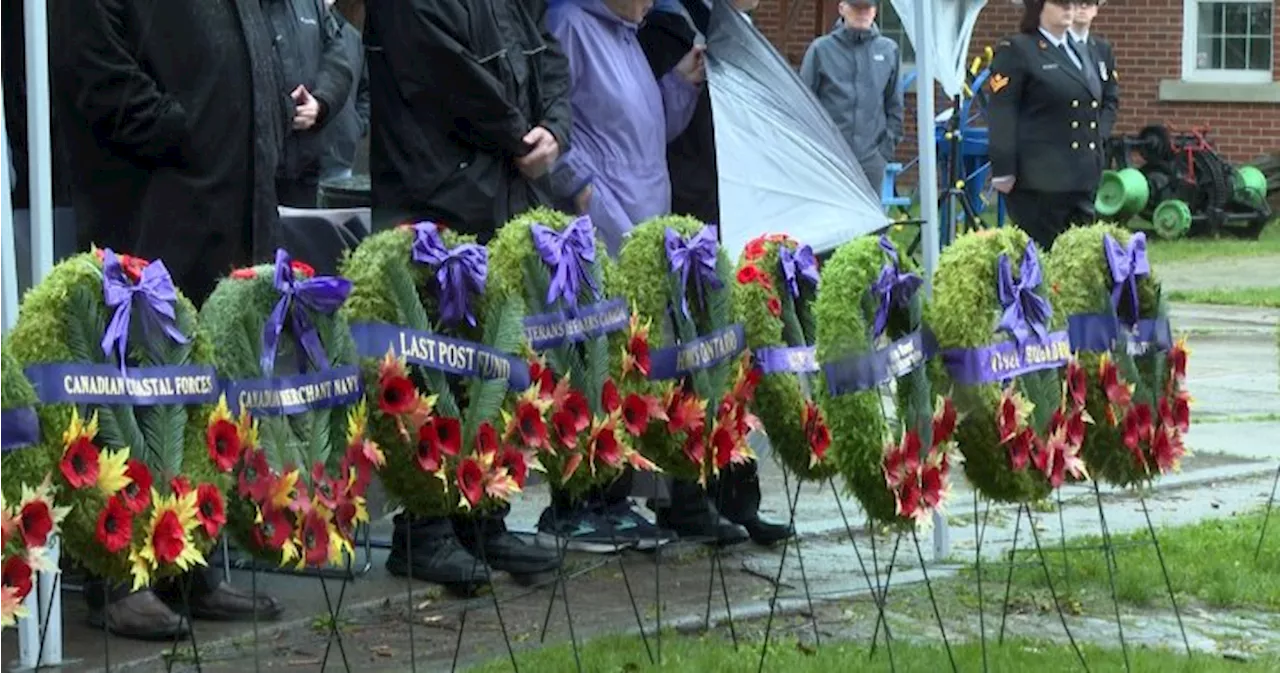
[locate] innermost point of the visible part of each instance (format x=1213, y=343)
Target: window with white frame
x=1228, y=40
x=891, y=27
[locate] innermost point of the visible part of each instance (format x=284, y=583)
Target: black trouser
x=1045, y=215
x=301, y=192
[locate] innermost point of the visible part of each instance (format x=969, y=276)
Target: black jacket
x=1106, y=56
x=455, y=85
x=691, y=156
x=308, y=41
x=173, y=120
x=351, y=122
x=1044, y=118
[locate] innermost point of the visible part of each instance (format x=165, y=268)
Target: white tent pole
x=927, y=187
x=9, y=281
x=40, y=170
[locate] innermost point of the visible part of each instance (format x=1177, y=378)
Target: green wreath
x=777, y=280
x=687, y=317
x=1020, y=440
x=292, y=379
x=869, y=309
x=1137, y=396
x=437, y=352
x=25, y=459
x=567, y=282
x=146, y=495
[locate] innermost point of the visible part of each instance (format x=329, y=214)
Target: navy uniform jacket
x=1106, y=57
x=1044, y=118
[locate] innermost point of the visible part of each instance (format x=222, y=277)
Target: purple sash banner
x=290, y=395
x=702, y=353
x=83, y=383
x=1099, y=332
x=436, y=351
x=19, y=428
x=1007, y=360
x=572, y=325
x=864, y=371
x=787, y=359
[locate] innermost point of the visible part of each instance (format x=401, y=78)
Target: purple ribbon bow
x=797, y=264
x=892, y=287
x=696, y=256
x=460, y=271
x=1025, y=312
x=570, y=253
x=322, y=293
x=1127, y=265
x=158, y=297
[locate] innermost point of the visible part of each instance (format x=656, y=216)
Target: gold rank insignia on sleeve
x=1115, y=75
x=998, y=82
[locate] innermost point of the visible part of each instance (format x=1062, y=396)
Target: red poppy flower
x=775, y=307
x=533, y=430
x=1167, y=449
x=168, y=538
x=695, y=448
x=638, y=348
x=1137, y=425
x=137, y=494
x=471, y=481
x=79, y=464
x=315, y=539
x=255, y=476
x=748, y=274
x=326, y=488
x=486, y=439
x=274, y=530
x=428, y=455
x=566, y=427
x=609, y=397
x=302, y=269
x=724, y=442
x=576, y=404
x=755, y=249
x=819, y=436
x=180, y=485
x=17, y=574
x=932, y=484
x=635, y=414
x=354, y=460
x=944, y=422
x=543, y=377
x=1118, y=393
x=223, y=440
x=397, y=395
x=36, y=523
x=605, y=447
x=1178, y=362
x=1007, y=419
x=910, y=497
x=1075, y=428
x=1077, y=383
x=902, y=462
x=244, y=274
x=115, y=525
x=1181, y=412
x=211, y=512
x=517, y=464
x=449, y=433
x=1020, y=448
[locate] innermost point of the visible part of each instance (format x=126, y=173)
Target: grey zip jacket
x=854, y=74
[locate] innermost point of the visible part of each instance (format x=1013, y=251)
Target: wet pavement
x=1236, y=384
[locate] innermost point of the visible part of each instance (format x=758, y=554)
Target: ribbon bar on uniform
x=864, y=371
x=436, y=351
x=572, y=325
x=1007, y=359
x=83, y=383
x=290, y=395
x=1100, y=332
x=701, y=353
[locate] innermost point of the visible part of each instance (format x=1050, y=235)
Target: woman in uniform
x=1044, y=112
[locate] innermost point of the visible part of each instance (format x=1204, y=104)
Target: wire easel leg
x=626, y=581
x=942, y=628
x=804, y=577
x=1048, y=578
x=462, y=621
x=40, y=613
x=1109, y=552
x=408, y=589
x=253, y=596
x=562, y=547
x=493, y=593
x=875, y=596
x=1257, y=554
x=977, y=560
x=717, y=564
x=335, y=633
x=1062, y=526
x=1155, y=541
x=1008, y=580
x=184, y=585
x=883, y=618
x=777, y=582
x=657, y=596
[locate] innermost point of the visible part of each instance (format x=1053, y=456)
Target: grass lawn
x=617, y=654
x=1234, y=296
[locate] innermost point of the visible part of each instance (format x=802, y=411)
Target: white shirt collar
x=1080, y=36
x=1055, y=41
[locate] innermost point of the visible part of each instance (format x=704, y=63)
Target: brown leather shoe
x=227, y=603
x=141, y=616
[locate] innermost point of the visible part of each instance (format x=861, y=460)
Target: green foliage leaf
x=411, y=313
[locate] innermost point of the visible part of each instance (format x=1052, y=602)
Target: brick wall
x=1147, y=35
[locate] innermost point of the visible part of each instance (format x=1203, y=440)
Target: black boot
x=486, y=537
x=427, y=549
x=738, y=493
x=136, y=615
x=692, y=515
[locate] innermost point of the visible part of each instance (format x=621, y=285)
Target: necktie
x=1066, y=51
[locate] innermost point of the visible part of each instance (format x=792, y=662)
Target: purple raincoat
x=622, y=119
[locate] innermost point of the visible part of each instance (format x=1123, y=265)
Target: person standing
x=854, y=73
x=1044, y=115
x=1101, y=59
x=318, y=77
x=172, y=117
x=668, y=33
x=470, y=107
x=351, y=124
